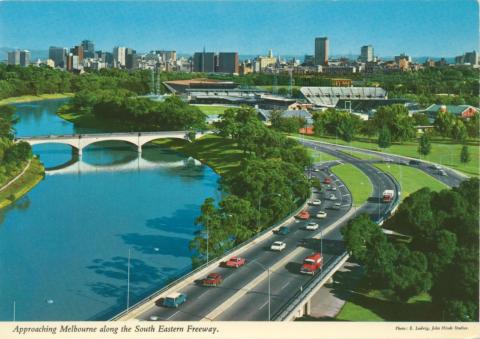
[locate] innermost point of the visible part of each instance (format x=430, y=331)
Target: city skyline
x=137, y=25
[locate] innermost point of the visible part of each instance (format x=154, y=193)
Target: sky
x=418, y=28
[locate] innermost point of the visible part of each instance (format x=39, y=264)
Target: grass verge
x=443, y=152
x=22, y=185
x=212, y=110
x=411, y=179
x=356, y=181
x=30, y=98
x=319, y=156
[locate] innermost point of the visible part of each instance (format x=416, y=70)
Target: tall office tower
x=88, y=49
x=321, y=51
x=471, y=58
x=366, y=53
x=58, y=55
x=228, y=62
x=119, y=55
x=14, y=57
x=78, y=51
x=25, y=58
x=204, y=62
x=129, y=58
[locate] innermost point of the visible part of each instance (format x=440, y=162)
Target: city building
x=228, y=62
x=78, y=51
x=119, y=54
x=14, y=57
x=366, y=53
x=88, y=49
x=204, y=62
x=167, y=56
x=309, y=60
x=403, y=56
x=58, y=55
x=321, y=51
x=461, y=111
x=25, y=58
x=130, y=58
x=262, y=62
x=470, y=58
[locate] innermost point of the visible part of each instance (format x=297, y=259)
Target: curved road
x=285, y=281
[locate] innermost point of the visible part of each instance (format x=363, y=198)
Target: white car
x=321, y=214
x=316, y=170
x=311, y=226
x=315, y=202
x=332, y=188
x=278, y=246
x=332, y=197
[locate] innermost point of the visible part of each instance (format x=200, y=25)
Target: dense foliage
x=122, y=107
x=341, y=124
x=268, y=185
x=12, y=155
x=441, y=258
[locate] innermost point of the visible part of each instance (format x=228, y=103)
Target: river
x=64, y=247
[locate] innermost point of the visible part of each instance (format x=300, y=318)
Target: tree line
x=269, y=184
x=441, y=258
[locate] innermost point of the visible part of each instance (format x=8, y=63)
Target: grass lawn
x=374, y=305
x=212, y=110
x=361, y=156
x=356, y=181
x=319, y=156
x=218, y=153
x=443, y=152
x=411, y=179
x=25, y=183
x=29, y=98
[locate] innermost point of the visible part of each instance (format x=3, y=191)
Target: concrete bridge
x=80, y=141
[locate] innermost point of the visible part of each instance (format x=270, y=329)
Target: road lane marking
x=263, y=305
x=172, y=315
x=285, y=285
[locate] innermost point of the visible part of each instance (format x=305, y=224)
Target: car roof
x=174, y=295
x=278, y=242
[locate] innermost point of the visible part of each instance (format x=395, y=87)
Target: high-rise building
x=204, y=62
x=14, y=57
x=119, y=55
x=88, y=49
x=366, y=53
x=167, y=55
x=58, y=55
x=25, y=58
x=228, y=62
x=321, y=51
x=78, y=51
x=471, y=58
x=129, y=58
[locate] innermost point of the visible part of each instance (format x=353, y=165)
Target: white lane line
x=288, y=283
x=263, y=305
x=172, y=315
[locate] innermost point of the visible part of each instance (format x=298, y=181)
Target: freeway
x=204, y=301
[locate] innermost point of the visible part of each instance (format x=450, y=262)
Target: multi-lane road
x=252, y=303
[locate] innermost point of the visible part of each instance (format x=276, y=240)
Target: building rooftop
x=330, y=96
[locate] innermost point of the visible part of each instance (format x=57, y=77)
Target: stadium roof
x=330, y=96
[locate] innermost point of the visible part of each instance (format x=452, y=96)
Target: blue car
x=174, y=300
x=283, y=230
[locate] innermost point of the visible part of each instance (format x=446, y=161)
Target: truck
x=388, y=195
x=312, y=264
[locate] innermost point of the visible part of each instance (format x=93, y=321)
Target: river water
x=64, y=247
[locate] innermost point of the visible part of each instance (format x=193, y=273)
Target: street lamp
x=269, y=294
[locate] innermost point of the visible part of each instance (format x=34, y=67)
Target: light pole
x=269, y=294
x=128, y=279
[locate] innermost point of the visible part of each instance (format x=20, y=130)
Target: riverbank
x=31, y=98
x=23, y=184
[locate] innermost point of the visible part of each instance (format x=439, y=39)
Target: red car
x=304, y=215
x=213, y=279
x=235, y=262
x=312, y=263
x=327, y=180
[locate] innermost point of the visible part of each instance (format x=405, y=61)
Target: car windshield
x=309, y=261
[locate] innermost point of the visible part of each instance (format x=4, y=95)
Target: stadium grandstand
x=336, y=96
x=182, y=86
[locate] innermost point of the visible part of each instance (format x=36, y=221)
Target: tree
x=459, y=131
x=464, y=155
x=396, y=119
x=424, y=146
x=384, y=137
x=357, y=234
x=443, y=123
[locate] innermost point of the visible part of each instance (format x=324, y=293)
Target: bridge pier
x=139, y=149
x=307, y=308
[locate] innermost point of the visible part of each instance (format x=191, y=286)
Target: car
x=283, y=230
x=336, y=206
x=278, y=246
x=174, y=300
x=332, y=188
x=327, y=180
x=332, y=197
x=311, y=226
x=442, y=172
x=414, y=162
x=316, y=170
x=235, y=262
x=435, y=167
x=315, y=202
x=321, y=214
x=303, y=215
x=213, y=279
x=312, y=264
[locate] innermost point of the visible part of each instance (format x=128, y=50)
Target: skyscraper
x=79, y=51
x=228, y=62
x=58, y=55
x=88, y=48
x=129, y=58
x=366, y=53
x=321, y=51
x=24, y=58
x=119, y=55
x=14, y=57
x=204, y=62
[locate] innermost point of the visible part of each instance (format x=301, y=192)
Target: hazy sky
x=419, y=28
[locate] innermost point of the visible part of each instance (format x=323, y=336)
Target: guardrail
x=92, y=135
x=199, y=268
x=295, y=302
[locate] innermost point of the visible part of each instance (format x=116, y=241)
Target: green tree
x=465, y=154
x=384, y=137
x=459, y=131
x=424, y=145
x=443, y=123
